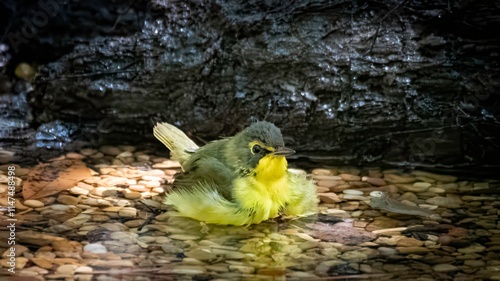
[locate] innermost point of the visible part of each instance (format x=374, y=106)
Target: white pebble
x=78, y=190
x=95, y=248
x=352, y=192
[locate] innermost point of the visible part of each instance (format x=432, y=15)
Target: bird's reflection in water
x=268, y=248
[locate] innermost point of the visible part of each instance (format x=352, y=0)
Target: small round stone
x=352, y=192
x=138, y=188
x=68, y=199
x=66, y=269
x=158, y=190
x=349, y=177
x=95, y=248
x=78, y=190
x=127, y=212
x=33, y=203
x=444, y=268
x=110, y=150
x=132, y=195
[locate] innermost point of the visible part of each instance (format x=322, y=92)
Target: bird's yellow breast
x=267, y=190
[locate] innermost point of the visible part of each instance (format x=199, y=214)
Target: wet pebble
x=184, y=237
x=127, y=212
x=104, y=191
x=422, y=185
x=474, y=263
x=352, y=192
x=68, y=199
x=74, y=155
x=436, y=190
x=42, y=262
x=110, y=150
x=78, y=191
x=355, y=197
x=403, y=241
x=350, y=206
x=412, y=187
x=201, y=254
x=393, y=178
x=134, y=223
x=33, y=203
x=111, y=263
x=410, y=196
x=132, y=195
x=479, y=198
x=444, y=268
x=349, y=177
x=326, y=178
x=187, y=270
x=329, y=183
x=167, y=164
x=96, y=202
x=18, y=205
x=125, y=154
x=322, y=172
x=387, y=251
x=329, y=197
x=359, y=255
x=66, y=269
x=412, y=250
x=474, y=248
x=374, y=181
x=158, y=189
x=138, y=188
x=395, y=267
x=95, y=248
x=437, y=177
x=242, y=268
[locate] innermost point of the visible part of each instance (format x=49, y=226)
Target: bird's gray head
x=258, y=140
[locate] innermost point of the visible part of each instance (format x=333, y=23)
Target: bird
x=238, y=180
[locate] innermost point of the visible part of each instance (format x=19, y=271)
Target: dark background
x=405, y=83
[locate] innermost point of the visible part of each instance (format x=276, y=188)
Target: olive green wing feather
x=206, y=169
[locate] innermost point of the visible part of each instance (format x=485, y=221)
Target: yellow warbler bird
x=239, y=180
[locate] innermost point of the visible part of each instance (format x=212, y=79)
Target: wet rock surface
x=103, y=235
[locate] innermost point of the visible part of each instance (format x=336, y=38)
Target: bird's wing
x=206, y=169
x=180, y=145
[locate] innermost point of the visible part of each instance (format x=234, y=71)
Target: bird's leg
x=150, y=218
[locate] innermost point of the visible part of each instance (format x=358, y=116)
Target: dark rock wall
x=398, y=82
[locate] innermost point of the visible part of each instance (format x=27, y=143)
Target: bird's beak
x=283, y=151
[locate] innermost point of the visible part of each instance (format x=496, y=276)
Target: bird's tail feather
x=179, y=144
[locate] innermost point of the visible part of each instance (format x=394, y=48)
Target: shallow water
x=109, y=224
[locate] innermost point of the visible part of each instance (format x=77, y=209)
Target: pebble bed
x=113, y=226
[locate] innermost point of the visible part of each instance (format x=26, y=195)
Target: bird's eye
x=256, y=149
